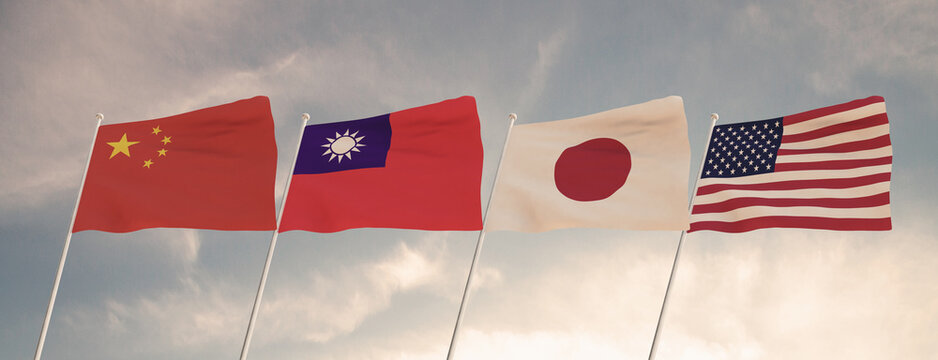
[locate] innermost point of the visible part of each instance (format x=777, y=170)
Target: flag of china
x=212, y=168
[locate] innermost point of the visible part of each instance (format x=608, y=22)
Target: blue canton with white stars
x=742, y=149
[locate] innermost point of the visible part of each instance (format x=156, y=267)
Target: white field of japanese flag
x=625, y=168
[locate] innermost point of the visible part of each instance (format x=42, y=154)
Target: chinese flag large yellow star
x=122, y=146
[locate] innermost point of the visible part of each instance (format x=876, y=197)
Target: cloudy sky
x=394, y=294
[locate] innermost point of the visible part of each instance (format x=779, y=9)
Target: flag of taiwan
x=419, y=168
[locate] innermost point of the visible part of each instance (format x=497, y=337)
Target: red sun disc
x=592, y=170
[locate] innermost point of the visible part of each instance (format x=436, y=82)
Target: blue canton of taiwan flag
x=365, y=141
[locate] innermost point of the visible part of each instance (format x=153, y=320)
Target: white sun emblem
x=343, y=145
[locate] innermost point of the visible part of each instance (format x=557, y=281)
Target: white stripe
x=839, y=138
x=856, y=155
x=855, y=192
x=798, y=175
x=837, y=118
x=740, y=214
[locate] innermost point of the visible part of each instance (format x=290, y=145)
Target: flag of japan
x=624, y=168
x=419, y=168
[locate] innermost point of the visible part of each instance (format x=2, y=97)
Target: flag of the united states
x=822, y=169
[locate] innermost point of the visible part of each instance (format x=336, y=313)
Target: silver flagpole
x=475, y=257
x=270, y=249
x=680, y=244
x=68, y=240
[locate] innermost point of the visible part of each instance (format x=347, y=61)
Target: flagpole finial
x=305, y=116
x=512, y=116
x=714, y=116
x=99, y=116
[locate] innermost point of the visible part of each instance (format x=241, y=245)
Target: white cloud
x=693, y=348
x=760, y=295
x=549, y=51
x=755, y=20
x=541, y=345
x=199, y=315
x=199, y=312
x=889, y=38
x=486, y=276
x=186, y=248
x=195, y=315
x=571, y=286
x=756, y=297
x=204, y=313
x=320, y=306
x=405, y=271
x=774, y=297
x=837, y=43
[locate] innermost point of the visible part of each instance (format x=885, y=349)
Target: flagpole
x=270, y=249
x=475, y=256
x=680, y=244
x=68, y=241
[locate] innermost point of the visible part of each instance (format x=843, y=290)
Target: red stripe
x=736, y=203
x=816, y=113
x=799, y=222
x=868, y=144
x=843, y=183
x=833, y=164
x=867, y=122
